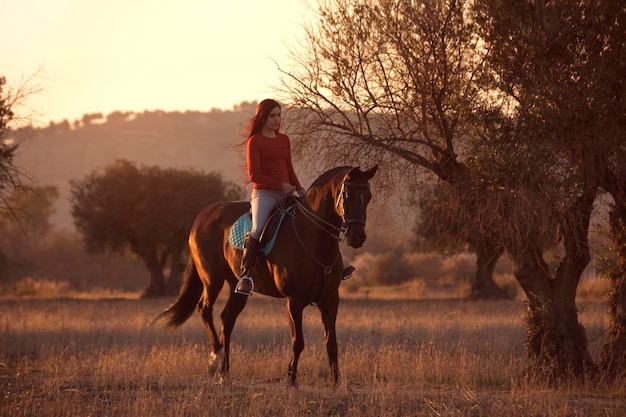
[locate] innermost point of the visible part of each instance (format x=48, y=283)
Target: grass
x=399, y=356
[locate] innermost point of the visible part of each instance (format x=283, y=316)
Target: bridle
x=334, y=231
x=343, y=195
x=340, y=200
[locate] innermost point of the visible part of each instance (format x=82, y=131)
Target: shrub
x=460, y=267
x=31, y=287
x=427, y=266
x=390, y=268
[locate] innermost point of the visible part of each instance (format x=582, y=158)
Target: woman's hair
x=263, y=110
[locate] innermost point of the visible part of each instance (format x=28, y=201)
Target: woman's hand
x=288, y=188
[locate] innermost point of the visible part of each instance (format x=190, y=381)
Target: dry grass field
x=398, y=357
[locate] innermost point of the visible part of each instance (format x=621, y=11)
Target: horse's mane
x=326, y=176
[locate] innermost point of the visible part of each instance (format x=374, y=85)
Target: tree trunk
x=613, y=354
x=156, y=287
x=484, y=287
x=175, y=278
x=487, y=251
x=556, y=341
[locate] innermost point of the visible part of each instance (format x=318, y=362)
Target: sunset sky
x=95, y=56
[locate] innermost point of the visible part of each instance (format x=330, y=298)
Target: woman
x=268, y=160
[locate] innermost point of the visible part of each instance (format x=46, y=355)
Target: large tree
x=147, y=211
x=392, y=82
x=503, y=103
x=562, y=63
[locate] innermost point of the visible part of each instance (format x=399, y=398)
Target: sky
x=94, y=56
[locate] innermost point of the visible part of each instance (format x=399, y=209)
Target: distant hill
x=203, y=141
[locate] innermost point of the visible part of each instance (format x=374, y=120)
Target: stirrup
x=245, y=286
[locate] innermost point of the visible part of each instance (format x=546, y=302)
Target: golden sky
x=100, y=56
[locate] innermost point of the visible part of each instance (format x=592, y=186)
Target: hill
x=204, y=141
x=59, y=153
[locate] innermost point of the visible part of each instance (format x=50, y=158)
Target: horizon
x=133, y=114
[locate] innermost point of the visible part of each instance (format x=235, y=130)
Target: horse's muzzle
x=355, y=236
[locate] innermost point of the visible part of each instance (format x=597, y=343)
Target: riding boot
x=245, y=285
x=348, y=271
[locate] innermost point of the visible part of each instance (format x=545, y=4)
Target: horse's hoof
x=223, y=380
x=214, y=360
x=292, y=382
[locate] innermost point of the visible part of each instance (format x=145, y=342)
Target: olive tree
x=146, y=211
x=394, y=83
x=562, y=63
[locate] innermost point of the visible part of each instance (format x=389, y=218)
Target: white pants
x=263, y=203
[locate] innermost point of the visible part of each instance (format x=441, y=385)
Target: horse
x=304, y=265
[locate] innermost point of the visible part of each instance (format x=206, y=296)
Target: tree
x=12, y=185
x=31, y=209
x=562, y=63
x=439, y=229
x=147, y=211
x=10, y=176
x=392, y=82
x=12, y=180
x=499, y=101
x=30, y=216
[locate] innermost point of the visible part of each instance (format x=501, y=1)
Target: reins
x=319, y=222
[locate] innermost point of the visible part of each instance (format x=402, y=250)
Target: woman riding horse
x=270, y=170
x=304, y=265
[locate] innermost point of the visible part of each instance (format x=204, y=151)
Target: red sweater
x=269, y=162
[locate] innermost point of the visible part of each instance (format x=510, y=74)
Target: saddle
x=243, y=225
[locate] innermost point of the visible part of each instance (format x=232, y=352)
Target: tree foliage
x=32, y=208
x=30, y=218
x=147, y=211
x=434, y=229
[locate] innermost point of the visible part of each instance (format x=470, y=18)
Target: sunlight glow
x=98, y=57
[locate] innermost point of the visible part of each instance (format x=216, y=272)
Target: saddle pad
x=239, y=229
x=243, y=226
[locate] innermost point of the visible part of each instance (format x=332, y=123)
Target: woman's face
x=273, y=120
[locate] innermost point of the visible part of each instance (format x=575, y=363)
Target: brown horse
x=304, y=265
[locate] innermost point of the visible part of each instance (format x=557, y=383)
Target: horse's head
x=351, y=204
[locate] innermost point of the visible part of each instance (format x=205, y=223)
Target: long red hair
x=263, y=110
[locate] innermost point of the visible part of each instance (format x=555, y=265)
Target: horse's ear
x=353, y=171
x=370, y=172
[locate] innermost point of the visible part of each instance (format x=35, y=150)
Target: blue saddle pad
x=239, y=229
x=243, y=226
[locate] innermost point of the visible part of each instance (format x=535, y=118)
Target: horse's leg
x=205, y=308
x=329, y=318
x=234, y=306
x=294, y=309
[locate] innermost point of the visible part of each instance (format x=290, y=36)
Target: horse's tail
x=187, y=300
